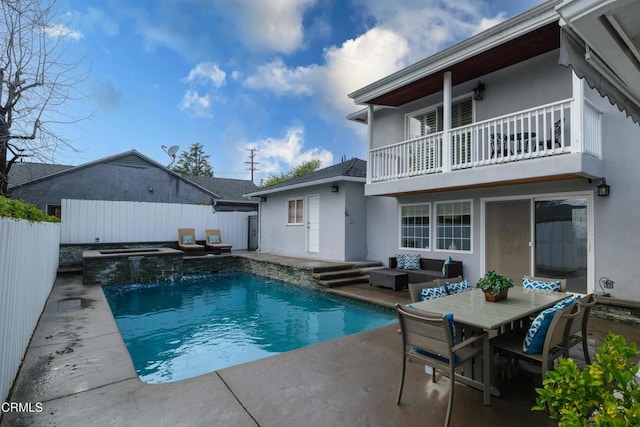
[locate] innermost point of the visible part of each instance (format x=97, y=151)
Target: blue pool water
x=178, y=330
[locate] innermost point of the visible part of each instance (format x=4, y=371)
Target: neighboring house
x=319, y=215
x=128, y=176
x=230, y=192
x=493, y=153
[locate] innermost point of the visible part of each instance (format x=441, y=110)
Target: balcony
x=562, y=128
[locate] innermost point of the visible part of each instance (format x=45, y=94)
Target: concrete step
x=344, y=281
x=347, y=266
x=338, y=274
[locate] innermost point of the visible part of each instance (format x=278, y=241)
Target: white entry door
x=313, y=223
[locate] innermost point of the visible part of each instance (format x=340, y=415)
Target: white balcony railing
x=528, y=134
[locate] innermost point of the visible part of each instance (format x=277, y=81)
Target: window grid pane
x=453, y=228
x=415, y=226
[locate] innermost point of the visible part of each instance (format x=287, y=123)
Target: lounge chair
x=213, y=241
x=187, y=240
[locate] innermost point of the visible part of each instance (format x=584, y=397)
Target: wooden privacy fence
x=84, y=221
x=28, y=266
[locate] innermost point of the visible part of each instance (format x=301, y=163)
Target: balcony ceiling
x=532, y=44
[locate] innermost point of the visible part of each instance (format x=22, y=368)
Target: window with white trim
x=453, y=226
x=294, y=212
x=426, y=122
x=415, y=226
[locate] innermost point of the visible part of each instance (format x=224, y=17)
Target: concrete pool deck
x=78, y=367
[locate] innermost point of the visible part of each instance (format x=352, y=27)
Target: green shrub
x=21, y=210
x=604, y=393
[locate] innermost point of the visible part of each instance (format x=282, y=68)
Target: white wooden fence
x=28, y=266
x=84, y=221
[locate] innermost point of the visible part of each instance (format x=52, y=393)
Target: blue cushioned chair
x=511, y=343
x=430, y=339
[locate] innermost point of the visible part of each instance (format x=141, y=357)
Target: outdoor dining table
x=470, y=309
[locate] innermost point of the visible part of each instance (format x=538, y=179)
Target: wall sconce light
x=335, y=188
x=263, y=198
x=603, y=189
x=607, y=283
x=478, y=92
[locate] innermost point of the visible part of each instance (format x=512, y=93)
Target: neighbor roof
x=22, y=172
x=350, y=170
x=231, y=190
x=128, y=157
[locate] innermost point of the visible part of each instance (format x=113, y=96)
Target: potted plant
x=495, y=286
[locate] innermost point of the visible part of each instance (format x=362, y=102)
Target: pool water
x=178, y=330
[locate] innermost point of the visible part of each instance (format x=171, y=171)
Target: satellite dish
x=171, y=151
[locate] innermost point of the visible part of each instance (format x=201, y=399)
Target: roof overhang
x=609, y=35
x=525, y=36
x=333, y=179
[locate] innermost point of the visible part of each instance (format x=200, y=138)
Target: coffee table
x=388, y=278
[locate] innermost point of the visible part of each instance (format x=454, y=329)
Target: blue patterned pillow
x=214, y=238
x=411, y=262
x=540, y=285
x=567, y=302
x=454, y=288
x=452, y=330
x=400, y=261
x=534, y=340
x=187, y=239
x=431, y=293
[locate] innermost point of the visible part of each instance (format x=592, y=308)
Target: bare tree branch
x=36, y=79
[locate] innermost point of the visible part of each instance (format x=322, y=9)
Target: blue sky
x=236, y=74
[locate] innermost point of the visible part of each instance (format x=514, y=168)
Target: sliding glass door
x=561, y=241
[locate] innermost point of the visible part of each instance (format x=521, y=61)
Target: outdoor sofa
x=430, y=269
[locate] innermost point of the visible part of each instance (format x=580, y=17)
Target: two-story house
x=495, y=154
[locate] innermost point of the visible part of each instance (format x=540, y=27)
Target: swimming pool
x=178, y=330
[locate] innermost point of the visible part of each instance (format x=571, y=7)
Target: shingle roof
x=228, y=189
x=355, y=168
x=22, y=172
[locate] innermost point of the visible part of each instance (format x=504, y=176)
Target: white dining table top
x=470, y=308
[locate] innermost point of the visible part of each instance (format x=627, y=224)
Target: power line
x=252, y=163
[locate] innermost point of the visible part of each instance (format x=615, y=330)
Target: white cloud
x=280, y=155
x=276, y=77
x=62, y=31
x=271, y=25
x=356, y=63
x=196, y=105
x=206, y=72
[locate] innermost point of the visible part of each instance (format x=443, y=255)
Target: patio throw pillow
x=400, y=261
x=449, y=260
x=411, y=262
x=567, y=302
x=214, y=238
x=454, y=288
x=539, y=285
x=431, y=293
x=187, y=239
x=534, y=340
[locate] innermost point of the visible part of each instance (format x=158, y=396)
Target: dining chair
x=577, y=331
x=430, y=338
x=559, y=322
x=557, y=132
x=499, y=145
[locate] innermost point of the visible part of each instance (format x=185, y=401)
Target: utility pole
x=252, y=163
